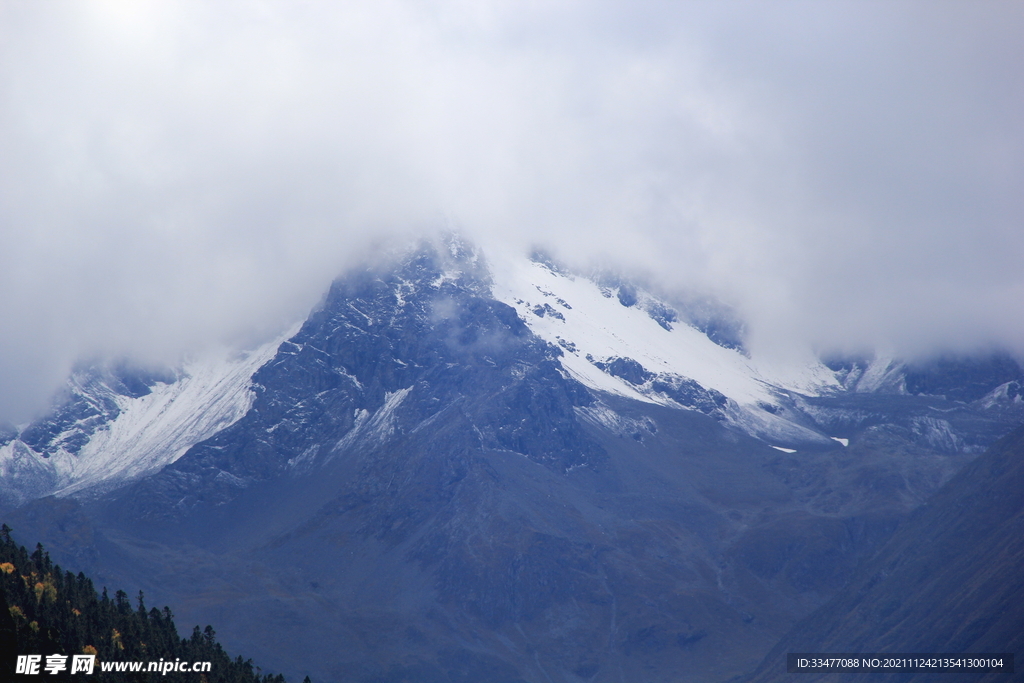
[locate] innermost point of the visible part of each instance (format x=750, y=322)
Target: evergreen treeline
x=46, y=611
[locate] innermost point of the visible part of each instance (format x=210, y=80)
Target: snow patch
x=603, y=416
x=938, y=434
x=883, y=373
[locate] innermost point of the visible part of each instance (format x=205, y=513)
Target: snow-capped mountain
x=518, y=472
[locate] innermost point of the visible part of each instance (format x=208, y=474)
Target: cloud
x=176, y=173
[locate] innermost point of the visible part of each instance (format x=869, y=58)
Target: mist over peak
x=844, y=176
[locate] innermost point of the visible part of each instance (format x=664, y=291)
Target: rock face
x=422, y=486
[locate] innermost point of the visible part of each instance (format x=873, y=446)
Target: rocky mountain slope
x=948, y=581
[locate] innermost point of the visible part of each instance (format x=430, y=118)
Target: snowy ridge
x=151, y=431
x=592, y=326
x=621, y=342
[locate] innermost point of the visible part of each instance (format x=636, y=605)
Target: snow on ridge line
x=154, y=430
x=574, y=313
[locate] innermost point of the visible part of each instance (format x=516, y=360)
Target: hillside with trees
x=45, y=610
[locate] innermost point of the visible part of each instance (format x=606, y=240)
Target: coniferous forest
x=45, y=610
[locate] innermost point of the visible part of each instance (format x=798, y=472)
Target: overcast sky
x=174, y=174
